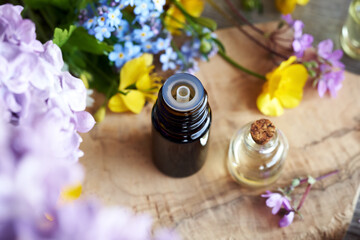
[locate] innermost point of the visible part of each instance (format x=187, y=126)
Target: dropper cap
x=183, y=92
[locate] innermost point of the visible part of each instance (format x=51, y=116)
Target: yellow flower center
x=143, y=34
x=120, y=27
x=112, y=16
x=121, y=55
x=103, y=30
x=90, y=20
x=102, y=19
x=148, y=46
x=143, y=5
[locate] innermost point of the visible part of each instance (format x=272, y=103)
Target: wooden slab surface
x=324, y=134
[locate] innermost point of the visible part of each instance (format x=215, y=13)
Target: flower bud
x=205, y=46
x=100, y=114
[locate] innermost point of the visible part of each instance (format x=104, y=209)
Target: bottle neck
x=181, y=126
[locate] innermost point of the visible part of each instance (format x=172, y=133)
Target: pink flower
x=276, y=201
x=287, y=219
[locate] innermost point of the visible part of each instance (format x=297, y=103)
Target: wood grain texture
x=324, y=134
x=322, y=18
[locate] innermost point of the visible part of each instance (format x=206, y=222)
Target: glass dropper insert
x=183, y=92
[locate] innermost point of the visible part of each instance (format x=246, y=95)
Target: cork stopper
x=262, y=131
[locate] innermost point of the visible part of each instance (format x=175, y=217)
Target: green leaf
x=88, y=43
x=37, y=4
x=206, y=22
x=62, y=36
x=312, y=73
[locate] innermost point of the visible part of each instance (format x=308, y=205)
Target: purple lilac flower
x=17, y=31
x=325, y=51
x=287, y=219
x=331, y=81
x=301, y=42
x=288, y=19
x=31, y=175
x=276, y=201
x=331, y=70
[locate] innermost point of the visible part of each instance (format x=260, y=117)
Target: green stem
x=181, y=56
x=181, y=8
x=178, y=21
x=41, y=33
x=45, y=15
x=94, y=9
x=235, y=64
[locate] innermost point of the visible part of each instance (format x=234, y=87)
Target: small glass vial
x=181, y=119
x=257, y=153
x=350, y=33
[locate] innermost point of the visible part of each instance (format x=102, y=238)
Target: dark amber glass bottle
x=181, y=119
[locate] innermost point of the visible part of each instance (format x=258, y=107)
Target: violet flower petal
x=288, y=19
x=321, y=87
x=325, y=47
x=84, y=121
x=287, y=219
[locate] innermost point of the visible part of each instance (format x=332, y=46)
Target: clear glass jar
x=350, y=33
x=253, y=164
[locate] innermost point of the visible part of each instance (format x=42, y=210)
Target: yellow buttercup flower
x=283, y=88
x=288, y=6
x=175, y=20
x=136, y=85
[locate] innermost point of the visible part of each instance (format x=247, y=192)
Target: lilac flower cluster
x=34, y=87
x=301, y=41
x=325, y=68
x=331, y=69
x=41, y=113
x=143, y=34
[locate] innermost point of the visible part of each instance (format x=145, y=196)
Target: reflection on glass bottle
x=257, y=153
x=350, y=34
x=181, y=120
